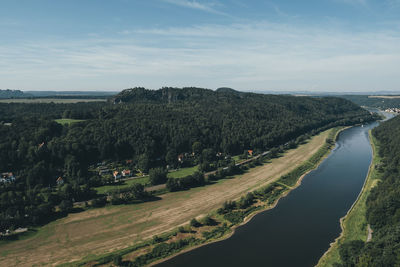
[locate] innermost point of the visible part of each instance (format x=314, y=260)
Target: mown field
x=103, y=230
x=67, y=121
x=51, y=100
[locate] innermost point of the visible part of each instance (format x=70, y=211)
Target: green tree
x=157, y=176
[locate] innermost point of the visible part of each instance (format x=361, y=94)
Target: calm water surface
x=299, y=230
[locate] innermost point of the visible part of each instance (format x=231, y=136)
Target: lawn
x=141, y=180
x=183, y=172
x=67, y=121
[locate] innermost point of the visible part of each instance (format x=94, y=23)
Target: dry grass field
x=51, y=100
x=103, y=230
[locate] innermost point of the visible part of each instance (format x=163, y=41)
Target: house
x=126, y=173
x=116, y=175
x=250, y=152
x=181, y=157
x=60, y=181
x=7, y=177
x=129, y=161
x=40, y=145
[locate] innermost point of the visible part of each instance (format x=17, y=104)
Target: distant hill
x=382, y=102
x=13, y=94
x=228, y=90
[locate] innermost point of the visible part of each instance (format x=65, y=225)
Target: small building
x=60, y=181
x=250, y=152
x=181, y=157
x=40, y=145
x=7, y=177
x=116, y=175
x=126, y=173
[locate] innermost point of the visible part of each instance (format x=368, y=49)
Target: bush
x=209, y=221
x=99, y=202
x=157, y=176
x=195, y=223
x=117, y=260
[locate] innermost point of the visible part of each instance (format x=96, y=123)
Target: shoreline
x=249, y=217
x=316, y=152
x=342, y=220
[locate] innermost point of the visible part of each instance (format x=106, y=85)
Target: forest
x=383, y=207
x=151, y=129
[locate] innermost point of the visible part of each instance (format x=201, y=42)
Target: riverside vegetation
x=217, y=224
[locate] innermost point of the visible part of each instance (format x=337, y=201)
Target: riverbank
x=225, y=226
x=354, y=224
x=127, y=230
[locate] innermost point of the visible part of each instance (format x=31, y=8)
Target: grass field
x=354, y=225
x=183, y=172
x=105, y=188
x=99, y=231
x=51, y=100
x=67, y=121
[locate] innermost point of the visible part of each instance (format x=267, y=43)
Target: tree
x=171, y=158
x=194, y=223
x=144, y=163
x=196, y=148
x=157, y=176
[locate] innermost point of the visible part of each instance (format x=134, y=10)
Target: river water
x=299, y=230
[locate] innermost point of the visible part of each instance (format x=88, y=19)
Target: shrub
x=195, y=223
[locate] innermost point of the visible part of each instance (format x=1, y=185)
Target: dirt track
x=115, y=227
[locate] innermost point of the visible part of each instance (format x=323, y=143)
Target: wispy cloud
x=244, y=56
x=207, y=7
x=363, y=3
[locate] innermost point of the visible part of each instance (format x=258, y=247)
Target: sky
x=248, y=45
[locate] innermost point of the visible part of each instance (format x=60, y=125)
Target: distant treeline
x=7, y=93
x=170, y=126
x=383, y=207
x=375, y=102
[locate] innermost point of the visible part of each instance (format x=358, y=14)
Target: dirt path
x=111, y=228
x=370, y=231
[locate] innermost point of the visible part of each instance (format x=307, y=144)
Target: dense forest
x=148, y=128
x=375, y=102
x=383, y=206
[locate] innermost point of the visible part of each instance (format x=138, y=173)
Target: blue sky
x=315, y=45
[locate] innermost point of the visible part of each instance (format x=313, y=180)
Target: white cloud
x=207, y=7
x=244, y=56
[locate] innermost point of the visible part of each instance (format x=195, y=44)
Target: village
x=393, y=110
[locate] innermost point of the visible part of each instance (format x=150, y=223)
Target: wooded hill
x=151, y=129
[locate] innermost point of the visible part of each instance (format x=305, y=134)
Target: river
x=300, y=229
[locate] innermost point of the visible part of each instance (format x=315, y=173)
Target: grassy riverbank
x=354, y=224
x=219, y=224
x=100, y=235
